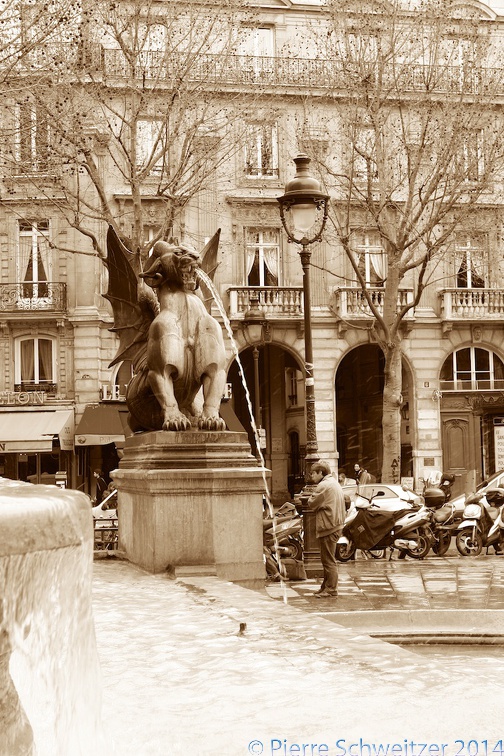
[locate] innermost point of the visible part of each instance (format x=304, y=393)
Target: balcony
x=31, y=296
x=272, y=301
x=229, y=70
x=351, y=304
x=472, y=304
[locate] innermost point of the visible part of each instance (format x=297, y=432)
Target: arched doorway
x=359, y=411
x=276, y=389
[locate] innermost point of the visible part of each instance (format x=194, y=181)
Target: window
x=469, y=164
x=370, y=257
x=472, y=369
x=32, y=138
x=470, y=263
x=151, y=146
x=262, y=256
x=364, y=154
x=293, y=380
x=34, y=363
x=34, y=260
x=257, y=42
x=261, y=151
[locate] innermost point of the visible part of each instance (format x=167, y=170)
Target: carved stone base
x=191, y=503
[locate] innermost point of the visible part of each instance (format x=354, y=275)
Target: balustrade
x=351, y=302
x=272, y=301
x=28, y=295
x=467, y=304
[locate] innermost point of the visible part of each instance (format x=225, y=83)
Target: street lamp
x=303, y=210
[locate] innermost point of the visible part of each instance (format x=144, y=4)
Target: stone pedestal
x=190, y=502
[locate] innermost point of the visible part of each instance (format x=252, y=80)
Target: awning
x=33, y=431
x=102, y=424
x=228, y=415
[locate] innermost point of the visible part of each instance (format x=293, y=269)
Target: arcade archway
x=275, y=383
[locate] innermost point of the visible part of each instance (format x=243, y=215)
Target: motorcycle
x=445, y=517
x=282, y=539
x=483, y=523
x=371, y=529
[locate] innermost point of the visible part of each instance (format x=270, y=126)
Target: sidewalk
x=200, y=667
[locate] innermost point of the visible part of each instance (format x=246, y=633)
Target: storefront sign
x=499, y=446
x=22, y=397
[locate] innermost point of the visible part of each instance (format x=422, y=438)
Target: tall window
x=32, y=137
x=34, y=363
x=370, y=257
x=470, y=262
x=34, y=259
x=257, y=42
x=469, y=162
x=364, y=154
x=472, y=369
x=151, y=145
x=263, y=256
x=261, y=151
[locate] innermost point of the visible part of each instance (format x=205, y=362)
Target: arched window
x=35, y=367
x=472, y=369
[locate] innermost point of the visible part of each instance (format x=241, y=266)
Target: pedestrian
x=343, y=480
x=101, y=486
x=328, y=503
x=362, y=476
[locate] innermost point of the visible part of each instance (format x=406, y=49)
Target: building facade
x=62, y=408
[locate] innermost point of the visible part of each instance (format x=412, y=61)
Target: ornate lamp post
x=303, y=210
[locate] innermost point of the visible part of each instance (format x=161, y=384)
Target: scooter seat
x=442, y=515
x=493, y=512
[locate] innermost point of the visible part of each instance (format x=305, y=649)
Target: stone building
x=61, y=406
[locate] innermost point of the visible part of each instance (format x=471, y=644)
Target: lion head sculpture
x=175, y=266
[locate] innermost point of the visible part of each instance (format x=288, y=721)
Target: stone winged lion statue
x=175, y=345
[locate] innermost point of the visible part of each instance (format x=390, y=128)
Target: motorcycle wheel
x=468, y=542
x=295, y=550
x=344, y=552
x=424, y=544
x=441, y=546
x=377, y=553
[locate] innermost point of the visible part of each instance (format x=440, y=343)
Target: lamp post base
x=311, y=550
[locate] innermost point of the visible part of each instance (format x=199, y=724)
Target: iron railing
x=19, y=297
x=227, y=69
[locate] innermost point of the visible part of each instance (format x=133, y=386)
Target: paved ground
x=202, y=667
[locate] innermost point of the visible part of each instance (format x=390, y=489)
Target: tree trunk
x=392, y=399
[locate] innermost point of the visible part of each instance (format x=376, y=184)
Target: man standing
x=328, y=503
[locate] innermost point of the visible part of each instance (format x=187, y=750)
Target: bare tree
x=413, y=100
x=135, y=115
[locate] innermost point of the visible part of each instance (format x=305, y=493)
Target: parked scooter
x=370, y=528
x=483, y=523
x=445, y=517
x=282, y=539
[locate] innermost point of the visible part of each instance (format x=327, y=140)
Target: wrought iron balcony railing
x=472, y=304
x=245, y=69
x=44, y=387
x=273, y=301
x=19, y=297
x=350, y=302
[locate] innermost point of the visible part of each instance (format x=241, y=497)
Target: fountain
x=189, y=491
x=48, y=658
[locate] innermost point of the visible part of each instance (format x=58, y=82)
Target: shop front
x=36, y=445
x=99, y=441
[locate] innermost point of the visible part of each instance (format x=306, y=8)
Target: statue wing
x=134, y=305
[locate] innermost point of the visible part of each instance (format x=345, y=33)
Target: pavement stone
x=199, y=666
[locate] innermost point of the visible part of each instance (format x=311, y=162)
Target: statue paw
x=177, y=422
x=213, y=423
